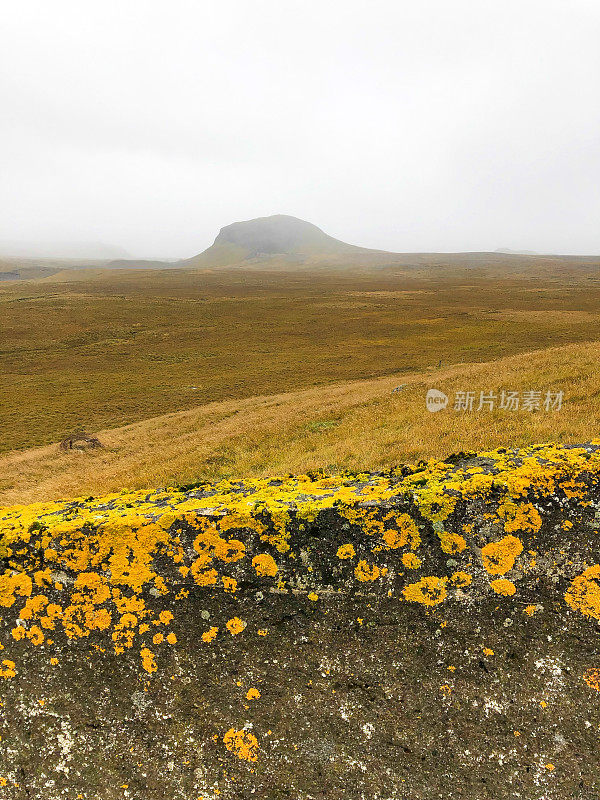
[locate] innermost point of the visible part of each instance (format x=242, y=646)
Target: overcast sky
x=423, y=125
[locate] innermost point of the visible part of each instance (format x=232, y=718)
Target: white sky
x=423, y=125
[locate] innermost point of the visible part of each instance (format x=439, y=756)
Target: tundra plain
x=189, y=375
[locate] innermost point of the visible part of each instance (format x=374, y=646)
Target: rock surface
x=428, y=633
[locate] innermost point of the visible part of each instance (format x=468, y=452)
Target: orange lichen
x=265, y=565
x=520, y=517
x=592, y=678
x=452, y=543
x=210, y=634
x=7, y=669
x=407, y=533
x=229, y=584
x=203, y=577
x=429, y=591
x=235, y=626
x=411, y=561
x=252, y=694
x=12, y=585
x=148, y=660
x=18, y=633
x=366, y=572
x=499, y=557
x=346, y=551
x=243, y=743
x=504, y=587
x=584, y=593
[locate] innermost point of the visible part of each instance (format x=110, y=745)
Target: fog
x=432, y=125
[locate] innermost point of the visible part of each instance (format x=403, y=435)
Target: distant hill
x=509, y=252
x=277, y=238
x=284, y=242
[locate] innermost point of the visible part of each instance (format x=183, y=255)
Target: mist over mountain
x=61, y=249
x=280, y=237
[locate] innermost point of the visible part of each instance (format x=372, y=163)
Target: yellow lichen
x=499, y=557
x=148, y=660
x=235, y=626
x=411, y=561
x=118, y=549
x=504, y=587
x=243, y=743
x=592, y=678
x=7, y=669
x=407, y=533
x=12, y=585
x=461, y=579
x=265, y=565
x=210, y=634
x=584, y=593
x=346, y=551
x=229, y=584
x=366, y=572
x=452, y=543
x=429, y=591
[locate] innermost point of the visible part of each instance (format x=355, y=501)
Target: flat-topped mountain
x=278, y=237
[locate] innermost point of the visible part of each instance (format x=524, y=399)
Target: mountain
x=279, y=238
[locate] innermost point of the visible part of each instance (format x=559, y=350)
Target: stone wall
x=427, y=633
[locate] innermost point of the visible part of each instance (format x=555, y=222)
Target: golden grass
x=99, y=349
x=352, y=425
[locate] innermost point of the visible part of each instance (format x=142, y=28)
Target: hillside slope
x=275, y=237
x=353, y=425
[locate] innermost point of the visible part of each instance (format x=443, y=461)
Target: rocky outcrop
x=427, y=633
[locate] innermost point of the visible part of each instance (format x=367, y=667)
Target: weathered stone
x=428, y=633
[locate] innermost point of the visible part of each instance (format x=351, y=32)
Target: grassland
x=100, y=349
x=355, y=425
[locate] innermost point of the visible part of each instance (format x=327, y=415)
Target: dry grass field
x=95, y=349
x=354, y=425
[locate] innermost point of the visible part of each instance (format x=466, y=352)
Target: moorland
x=209, y=373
